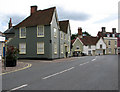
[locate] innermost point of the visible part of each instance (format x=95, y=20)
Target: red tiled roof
x=89, y=40
x=41, y=17
x=72, y=41
x=64, y=25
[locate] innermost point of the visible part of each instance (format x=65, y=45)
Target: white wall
x=86, y=49
x=100, y=42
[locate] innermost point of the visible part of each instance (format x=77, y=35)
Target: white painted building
x=93, y=45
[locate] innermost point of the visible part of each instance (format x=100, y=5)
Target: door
x=115, y=51
x=103, y=52
x=66, y=52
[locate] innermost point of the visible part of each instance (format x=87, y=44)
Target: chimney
x=10, y=23
x=80, y=32
x=103, y=29
x=33, y=9
x=113, y=30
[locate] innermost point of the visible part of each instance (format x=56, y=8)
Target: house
x=65, y=38
x=110, y=39
x=38, y=36
x=88, y=45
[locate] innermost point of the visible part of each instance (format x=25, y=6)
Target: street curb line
x=28, y=66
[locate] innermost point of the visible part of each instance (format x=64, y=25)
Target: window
x=89, y=47
x=40, y=48
x=65, y=36
x=55, y=48
x=115, y=43
x=113, y=35
x=55, y=32
x=22, y=32
x=109, y=50
x=62, y=49
x=77, y=47
x=61, y=35
x=109, y=43
x=22, y=48
x=89, y=52
x=40, y=31
x=100, y=46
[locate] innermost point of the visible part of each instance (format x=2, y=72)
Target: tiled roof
x=104, y=34
x=9, y=31
x=89, y=40
x=64, y=25
x=72, y=41
x=41, y=17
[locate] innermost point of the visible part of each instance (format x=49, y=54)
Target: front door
x=115, y=51
x=103, y=52
x=66, y=53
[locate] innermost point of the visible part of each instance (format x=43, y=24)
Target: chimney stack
x=80, y=32
x=113, y=30
x=103, y=29
x=10, y=23
x=33, y=9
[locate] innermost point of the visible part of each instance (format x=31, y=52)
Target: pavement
x=80, y=73
x=19, y=66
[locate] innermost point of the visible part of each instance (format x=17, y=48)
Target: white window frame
x=55, y=32
x=109, y=43
x=64, y=36
x=38, y=52
x=40, y=30
x=22, y=48
x=61, y=49
x=55, y=48
x=20, y=33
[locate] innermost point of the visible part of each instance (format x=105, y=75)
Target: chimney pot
x=80, y=32
x=33, y=9
x=10, y=23
x=114, y=30
x=103, y=29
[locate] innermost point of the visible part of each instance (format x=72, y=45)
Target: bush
x=11, y=55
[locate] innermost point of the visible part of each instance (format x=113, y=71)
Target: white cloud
x=99, y=10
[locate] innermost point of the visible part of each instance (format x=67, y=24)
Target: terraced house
x=110, y=39
x=41, y=35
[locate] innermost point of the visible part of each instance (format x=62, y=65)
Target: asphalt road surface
x=83, y=73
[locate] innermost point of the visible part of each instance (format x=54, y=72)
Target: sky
x=91, y=15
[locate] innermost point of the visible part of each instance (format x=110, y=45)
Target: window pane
x=40, y=47
x=23, y=32
x=40, y=30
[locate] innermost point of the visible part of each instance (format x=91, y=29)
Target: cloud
x=72, y=15
x=5, y=19
x=110, y=18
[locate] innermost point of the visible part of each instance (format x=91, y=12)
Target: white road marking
x=19, y=87
x=58, y=73
x=84, y=63
x=93, y=59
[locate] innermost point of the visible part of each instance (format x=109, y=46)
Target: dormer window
x=55, y=32
x=113, y=35
x=108, y=35
x=22, y=32
x=40, y=31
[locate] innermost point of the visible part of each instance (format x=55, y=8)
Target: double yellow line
x=28, y=66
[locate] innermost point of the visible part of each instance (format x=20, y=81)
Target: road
x=83, y=73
